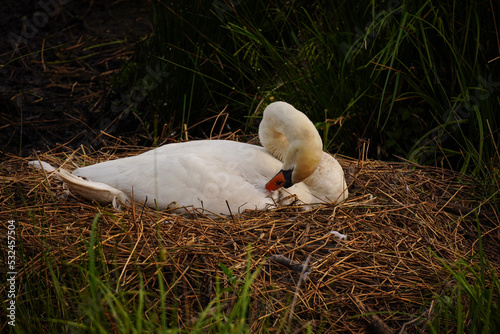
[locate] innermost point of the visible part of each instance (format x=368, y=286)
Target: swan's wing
x=199, y=173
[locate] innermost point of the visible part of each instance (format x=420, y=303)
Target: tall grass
x=472, y=306
x=417, y=78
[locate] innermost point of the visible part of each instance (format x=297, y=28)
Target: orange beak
x=276, y=182
x=282, y=179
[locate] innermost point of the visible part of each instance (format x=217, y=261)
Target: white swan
x=221, y=176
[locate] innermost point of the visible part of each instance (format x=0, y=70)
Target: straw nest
x=400, y=219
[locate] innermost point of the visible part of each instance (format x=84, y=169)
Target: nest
x=401, y=219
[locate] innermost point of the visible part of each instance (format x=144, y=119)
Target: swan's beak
x=282, y=179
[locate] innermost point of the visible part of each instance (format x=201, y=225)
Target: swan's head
x=292, y=138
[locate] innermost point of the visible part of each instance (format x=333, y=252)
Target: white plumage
x=218, y=175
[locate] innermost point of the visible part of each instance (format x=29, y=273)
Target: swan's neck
x=292, y=138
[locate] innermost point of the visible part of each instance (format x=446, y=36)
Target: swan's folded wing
x=204, y=174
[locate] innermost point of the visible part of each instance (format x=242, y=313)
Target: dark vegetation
x=418, y=79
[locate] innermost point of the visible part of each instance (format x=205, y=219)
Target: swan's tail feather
x=42, y=165
x=95, y=191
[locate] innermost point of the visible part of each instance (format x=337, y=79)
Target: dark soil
x=56, y=87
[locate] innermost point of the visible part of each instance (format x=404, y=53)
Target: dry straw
x=399, y=219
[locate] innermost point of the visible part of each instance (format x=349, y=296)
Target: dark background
x=55, y=87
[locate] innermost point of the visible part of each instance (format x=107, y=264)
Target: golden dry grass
x=399, y=218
